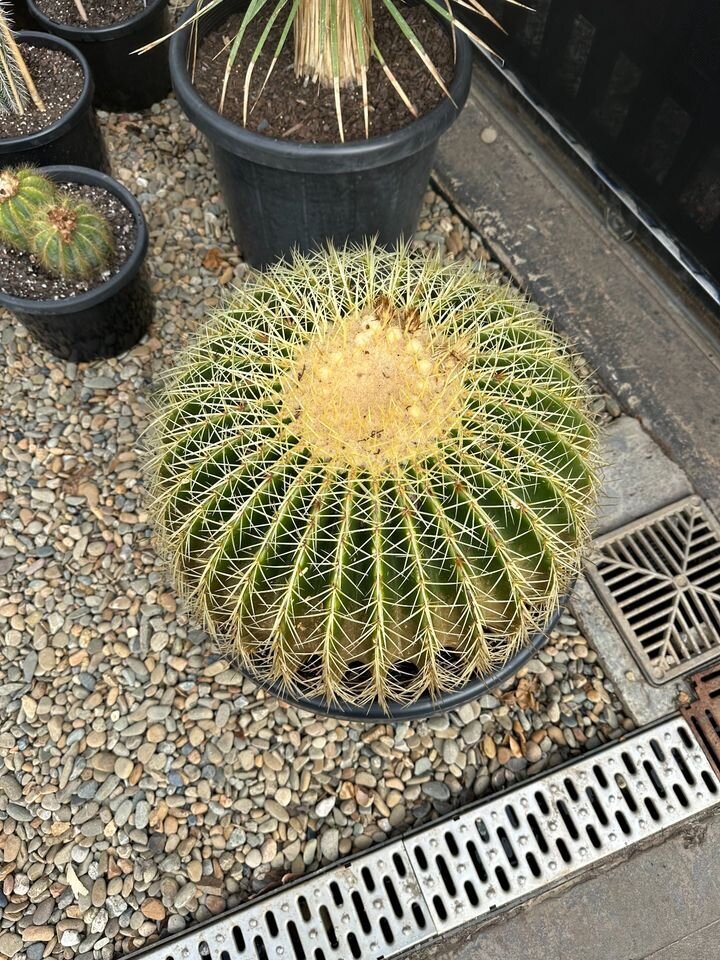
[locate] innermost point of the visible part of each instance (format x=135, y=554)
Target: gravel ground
x=142, y=786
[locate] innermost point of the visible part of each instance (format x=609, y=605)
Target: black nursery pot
x=21, y=19
x=425, y=706
x=75, y=138
x=123, y=80
x=282, y=194
x=107, y=320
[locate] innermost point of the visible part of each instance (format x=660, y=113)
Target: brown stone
x=153, y=909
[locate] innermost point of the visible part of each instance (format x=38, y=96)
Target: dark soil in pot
x=114, y=29
x=305, y=112
x=100, y=13
x=22, y=276
x=59, y=80
x=67, y=131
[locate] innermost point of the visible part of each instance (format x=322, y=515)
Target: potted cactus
x=323, y=116
x=72, y=251
x=372, y=477
x=46, y=111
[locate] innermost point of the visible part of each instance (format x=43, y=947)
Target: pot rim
x=39, y=138
x=425, y=706
x=66, y=173
x=102, y=34
x=318, y=157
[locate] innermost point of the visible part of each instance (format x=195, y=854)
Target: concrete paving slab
x=637, y=477
x=661, y=904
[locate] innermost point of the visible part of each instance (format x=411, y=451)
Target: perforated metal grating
x=384, y=902
x=369, y=908
x=545, y=831
x=659, y=579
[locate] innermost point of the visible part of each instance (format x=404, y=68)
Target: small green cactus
x=71, y=239
x=373, y=475
x=23, y=193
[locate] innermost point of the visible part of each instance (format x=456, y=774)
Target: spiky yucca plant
x=17, y=87
x=372, y=475
x=334, y=44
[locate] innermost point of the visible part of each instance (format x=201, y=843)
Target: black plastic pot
x=282, y=195
x=75, y=138
x=123, y=80
x=107, y=320
x=425, y=706
x=20, y=16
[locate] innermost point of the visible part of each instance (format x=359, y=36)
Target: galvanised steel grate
x=369, y=908
x=382, y=903
x=547, y=830
x=659, y=579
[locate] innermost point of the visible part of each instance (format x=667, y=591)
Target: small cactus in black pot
x=71, y=239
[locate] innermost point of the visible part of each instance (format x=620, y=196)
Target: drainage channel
x=380, y=904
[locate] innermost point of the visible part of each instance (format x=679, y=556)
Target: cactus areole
x=372, y=476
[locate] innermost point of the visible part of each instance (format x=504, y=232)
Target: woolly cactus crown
x=372, y=475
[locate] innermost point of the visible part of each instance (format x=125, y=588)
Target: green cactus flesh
x=72, y=240
x=23, y=193
x=372, y=475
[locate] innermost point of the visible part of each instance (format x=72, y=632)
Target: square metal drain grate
x=659, y=579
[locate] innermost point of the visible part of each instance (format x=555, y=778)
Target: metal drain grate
x=703, y=715
x=383, y=903
x=369, y=908
x=547, y=830
x=659, y=579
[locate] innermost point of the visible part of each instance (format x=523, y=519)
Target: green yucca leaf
x=372, y=475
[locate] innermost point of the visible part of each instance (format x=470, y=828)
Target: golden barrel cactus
x=372, y=475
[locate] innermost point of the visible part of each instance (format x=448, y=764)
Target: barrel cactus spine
x=373, y=475
x=71, y=239
x=23, y=193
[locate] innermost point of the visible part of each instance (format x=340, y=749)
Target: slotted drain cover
x=659, y=579
x=703, y=715
x=545, y=831
x=368, y=909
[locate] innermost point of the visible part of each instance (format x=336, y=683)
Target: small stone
x=153, y=909
x=329, y=843
x=10, y=944
x=123, y=767
x=38, y=934
x=185, y=895
x=10, y=787
x=436, y=790
x=276, y=810
x=325, y=807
